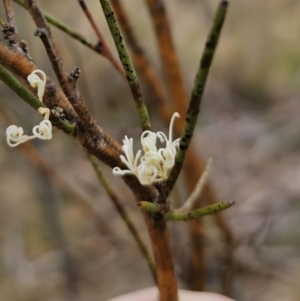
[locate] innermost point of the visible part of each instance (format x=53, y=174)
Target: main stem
x=159, y=235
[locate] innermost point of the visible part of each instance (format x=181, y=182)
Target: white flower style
x=36, y=81
x=155, y=165
x=44, y=129
x=15, y=135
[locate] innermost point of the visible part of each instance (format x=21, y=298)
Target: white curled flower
x=148, y=141
x=129, y=159
x=44, y=129
x=163, y=138
x=155, y=165
x=15, y=136
x=36, y=80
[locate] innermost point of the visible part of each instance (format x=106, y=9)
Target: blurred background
x=60, y=237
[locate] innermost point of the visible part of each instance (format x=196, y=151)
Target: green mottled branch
x=32, y=100
x=124, y=215
x=67, y=29
x=154, y=207
x=127, y=64
x=197, y=93
x=198, y=213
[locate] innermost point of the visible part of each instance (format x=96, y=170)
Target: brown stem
x=9, y=29
x=166, y=280
x=9, y=12
x=168, y=55
x=102, y=43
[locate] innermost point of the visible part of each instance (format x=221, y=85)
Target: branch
x=175, y=215
x=195, y=214
x=124, y=215
x=127, y=64
x=9, y=29
x=197, y=93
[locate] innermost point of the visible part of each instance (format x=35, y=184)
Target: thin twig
x=127, y=64
x=9, y=13
x=198, y=213
x=170, y=214
x=9, y=29
x=195, y=195
x=102, y=43
x=197, y=92
x=124, y=215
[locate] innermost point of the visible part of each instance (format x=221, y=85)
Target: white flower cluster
x=15, y=135
x=155, y=164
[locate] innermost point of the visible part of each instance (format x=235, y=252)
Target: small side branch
x=197, y=93
x=127, y=64
x=170, y=214
x=154, y=207
x=124, y=215
x=195, y=214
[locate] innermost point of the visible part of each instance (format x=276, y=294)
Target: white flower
x=36, y=81
x=128, y=159
x=15, y=135
x=171, y=145
x=155, y=165
x=43, y=130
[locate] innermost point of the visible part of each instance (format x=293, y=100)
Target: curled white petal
x=43, y=130
x=148, y=141
x=162, y=136
x=36, y=80
x=15, y=136
x=121, y=172
x=147, y=174
x=44, y=112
